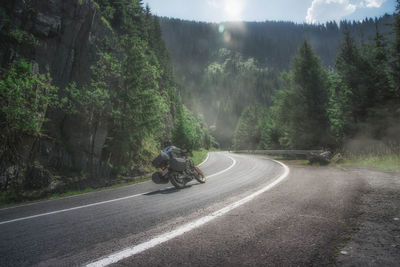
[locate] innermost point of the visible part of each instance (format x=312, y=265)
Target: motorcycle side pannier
x=158, y=179
x=177, y=164
x=160, y=159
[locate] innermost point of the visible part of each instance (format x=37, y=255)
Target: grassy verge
x=384, y=162
x=89, y=190
x=198, y=157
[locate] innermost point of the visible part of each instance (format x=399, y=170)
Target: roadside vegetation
x=380, y=157
x=320, y=108
x=329, y=85
x=386, y=162
x=198, y=156
x=350, y=108
x=122, y=113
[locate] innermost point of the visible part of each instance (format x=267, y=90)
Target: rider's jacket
x=173, y=151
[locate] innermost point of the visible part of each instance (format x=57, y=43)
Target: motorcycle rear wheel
x=178, y=183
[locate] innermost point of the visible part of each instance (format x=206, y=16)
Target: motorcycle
x=178, y=171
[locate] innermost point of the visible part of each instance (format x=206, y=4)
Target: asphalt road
x=305, y=220
x=78, y=230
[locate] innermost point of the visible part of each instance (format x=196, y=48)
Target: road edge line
x=204, y=161
x=102, y=202
x=224, y=170
x=70, y=209
x=131, y=251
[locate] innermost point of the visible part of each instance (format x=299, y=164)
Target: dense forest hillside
x=271, y=43
x=223, y=68
x=87, y=95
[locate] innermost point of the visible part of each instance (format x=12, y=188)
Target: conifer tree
x=249, y=130
x=396, y=51
x=339, y=110
x=141, y=109
x=377, y=58
x=308, y=101
x=355, y=72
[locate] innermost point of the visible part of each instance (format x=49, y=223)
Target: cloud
x=372, y=3
x=327, y=10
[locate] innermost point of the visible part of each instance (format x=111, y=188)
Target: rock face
x=47, y=25
x=69, y=35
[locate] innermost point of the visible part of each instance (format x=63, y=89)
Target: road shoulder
x=375, y=240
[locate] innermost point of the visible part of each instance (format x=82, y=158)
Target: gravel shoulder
x=318, y=216
x=375, y=239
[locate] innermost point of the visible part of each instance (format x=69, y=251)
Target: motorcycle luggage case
x=160, y=159
x=177, y=164
x=159, y=179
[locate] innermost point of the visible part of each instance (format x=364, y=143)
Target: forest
x=87, y=96
x=270, y=85
x=90, y=89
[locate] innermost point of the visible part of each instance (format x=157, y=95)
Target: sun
x=234, y=9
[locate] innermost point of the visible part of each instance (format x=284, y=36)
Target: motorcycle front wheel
x=199, y=175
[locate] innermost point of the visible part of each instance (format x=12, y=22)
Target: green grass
x=384, y=162
x=199, y=156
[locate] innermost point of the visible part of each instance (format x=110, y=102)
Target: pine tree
x=141, y=108
x=355, y=72
x=182, y=135
x=396, y=51
x=308, y=101
x=189, y=132
x=247, y=134
x=339, y=111
x=377, y=53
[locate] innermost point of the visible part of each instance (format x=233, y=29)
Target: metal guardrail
x=280, y=152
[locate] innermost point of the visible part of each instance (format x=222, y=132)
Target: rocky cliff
x=65, y=37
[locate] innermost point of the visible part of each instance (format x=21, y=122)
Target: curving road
x=82, y=229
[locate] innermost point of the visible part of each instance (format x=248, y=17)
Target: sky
x=310, y=11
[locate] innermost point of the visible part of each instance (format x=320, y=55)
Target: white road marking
x=74, y=208
x=225, y=170
x=131, y=251
x=204, y=161
x=104, y=202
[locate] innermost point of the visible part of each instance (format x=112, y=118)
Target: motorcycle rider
x=175, y=166
x=173, y=151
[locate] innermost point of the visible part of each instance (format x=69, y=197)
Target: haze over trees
x=316, y=86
